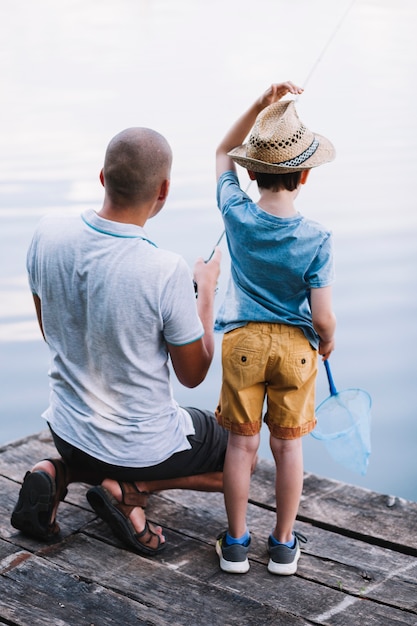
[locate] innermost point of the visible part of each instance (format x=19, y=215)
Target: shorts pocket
x=242, y=354
x=302, y=365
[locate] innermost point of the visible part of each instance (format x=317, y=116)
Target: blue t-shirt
x=275, y=262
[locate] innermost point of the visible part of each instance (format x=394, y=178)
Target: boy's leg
x=288, y=456
x=232, y=546
x=241, y=453
x=283, y=543
x=244, y=352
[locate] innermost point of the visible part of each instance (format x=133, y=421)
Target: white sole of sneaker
x=284, y=569
x=231, y=567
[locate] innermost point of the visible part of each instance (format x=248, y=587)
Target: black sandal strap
x=131, y=496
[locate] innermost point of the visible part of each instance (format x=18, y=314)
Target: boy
x=276, y=316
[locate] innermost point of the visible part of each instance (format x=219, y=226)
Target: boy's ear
x=304, y=176
x=102, y=177
x=251, y=175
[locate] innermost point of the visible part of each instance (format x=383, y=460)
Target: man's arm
x=324, y=320
x=38, y=308
x=192, y=361
x=241, y=128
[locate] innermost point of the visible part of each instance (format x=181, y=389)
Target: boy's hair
x=276, y=182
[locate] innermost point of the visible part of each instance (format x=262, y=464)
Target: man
x=113, y=309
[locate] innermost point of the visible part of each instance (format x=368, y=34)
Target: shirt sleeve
x=228, y=189
x=31, y=265
x=182, y=324
x=321, y=271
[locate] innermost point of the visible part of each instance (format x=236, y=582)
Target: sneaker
x=233, y=558
x=283, y=560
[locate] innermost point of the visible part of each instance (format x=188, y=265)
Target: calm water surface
x=74, y=74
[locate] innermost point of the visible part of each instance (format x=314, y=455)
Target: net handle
x=332, y=387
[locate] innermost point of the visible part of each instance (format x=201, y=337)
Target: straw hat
x=280, y=143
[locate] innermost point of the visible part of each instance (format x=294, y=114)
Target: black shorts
x=208, y=448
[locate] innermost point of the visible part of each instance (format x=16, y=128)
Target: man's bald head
x=137, y=161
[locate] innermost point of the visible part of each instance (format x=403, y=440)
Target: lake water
x=75, y=73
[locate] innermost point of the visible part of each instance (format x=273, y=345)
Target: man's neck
x=126, y=215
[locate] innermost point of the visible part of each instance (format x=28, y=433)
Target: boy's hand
x=326, y=348
x=278, y=91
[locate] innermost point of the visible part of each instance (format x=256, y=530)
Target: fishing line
x=326, y=46
x=306, y=80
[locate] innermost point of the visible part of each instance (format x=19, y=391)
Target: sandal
x=116, y=515
x=38, y=497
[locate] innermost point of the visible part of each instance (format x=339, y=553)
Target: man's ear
x=164, y=190
x=251, y=175
x=304, y=176
x=102, y=177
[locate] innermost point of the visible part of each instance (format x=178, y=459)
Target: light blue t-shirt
x=275, y=262
x=110, y=301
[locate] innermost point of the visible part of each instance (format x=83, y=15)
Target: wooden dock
x=359, y=566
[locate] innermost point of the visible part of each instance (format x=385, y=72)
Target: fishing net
x=344, y=426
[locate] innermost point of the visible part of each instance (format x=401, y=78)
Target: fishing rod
x=306, y=80
x=223, y=233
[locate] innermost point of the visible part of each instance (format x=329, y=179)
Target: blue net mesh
x=344, y=426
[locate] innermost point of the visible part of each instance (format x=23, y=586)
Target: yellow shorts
x=272, y=361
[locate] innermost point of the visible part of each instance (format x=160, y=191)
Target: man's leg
x=42, y=490
x=212, y=481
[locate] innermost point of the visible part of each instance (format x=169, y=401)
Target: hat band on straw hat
x=301, y=158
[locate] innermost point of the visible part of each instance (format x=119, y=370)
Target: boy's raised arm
x=241, y=128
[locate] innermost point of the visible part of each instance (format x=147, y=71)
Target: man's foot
x=121, y=506
x=283, y=559
x=42, y=490
x=234, y=557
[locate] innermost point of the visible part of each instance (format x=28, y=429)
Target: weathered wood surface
x=358, y=567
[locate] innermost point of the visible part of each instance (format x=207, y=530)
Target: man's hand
x=192, y=361
x=207, y=273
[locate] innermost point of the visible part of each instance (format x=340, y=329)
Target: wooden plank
x=353, y=576
x=385, y=520
x=189, y=572
x=330, y=559
x=343, y=572
x=312, y=601
x=8, y=553
x=124, y=589
x=35, y=593
x=193, y=566
x=18, y=457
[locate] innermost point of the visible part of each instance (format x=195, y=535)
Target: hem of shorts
x=247, y=430
x=281, y=432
